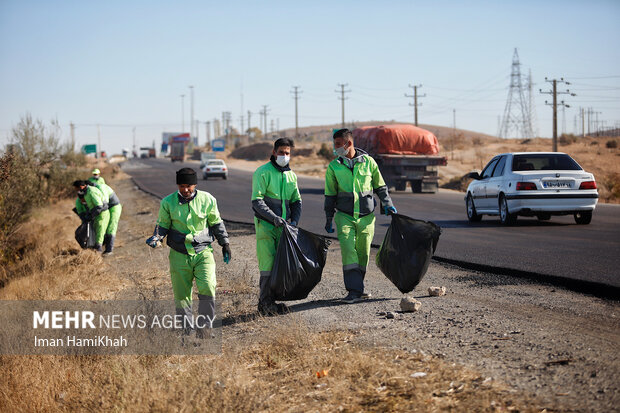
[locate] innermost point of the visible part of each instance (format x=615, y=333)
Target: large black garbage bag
x=406, y=251
x=298, y=264
x=85, y=235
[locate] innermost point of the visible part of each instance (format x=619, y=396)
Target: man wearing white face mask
x=275, y=200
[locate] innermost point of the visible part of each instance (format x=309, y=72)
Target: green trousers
x=101, y=224
x=355, y=236
x=267, y=237
x=185, y=268
x=115, y=215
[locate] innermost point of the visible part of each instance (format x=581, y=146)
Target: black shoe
x=365, y=296
x=352, y=298
x=268, y=309
x=282, y=308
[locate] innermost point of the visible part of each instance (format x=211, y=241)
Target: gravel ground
x=558, y=346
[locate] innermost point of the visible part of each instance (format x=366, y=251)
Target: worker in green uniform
x=350, y=181
x=91, y=205
x=275, y=200
x=191, y=222
x=115, y=208
x=96, y=178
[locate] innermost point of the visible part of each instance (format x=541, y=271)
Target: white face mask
x=283, y=160
x=342, y=151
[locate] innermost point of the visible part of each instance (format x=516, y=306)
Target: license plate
x=557, y=184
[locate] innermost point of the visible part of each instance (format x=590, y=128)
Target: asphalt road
x=556, y=248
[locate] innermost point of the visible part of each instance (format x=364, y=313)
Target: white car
x=215, y=167
x=537, y=184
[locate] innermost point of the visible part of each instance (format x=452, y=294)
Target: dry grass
x=276, y=371
x=266, y=364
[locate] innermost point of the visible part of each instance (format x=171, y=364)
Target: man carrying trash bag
x=191, y=221
x=91, y=205
x=350, y=181
x=115, y=208
x=275, y=200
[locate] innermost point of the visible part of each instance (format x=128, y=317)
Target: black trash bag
x=85, y=235
x=406, y=251
x=298, y=264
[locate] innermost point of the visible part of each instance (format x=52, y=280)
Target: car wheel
x=204, y=176
x=583, y=217
x=472, y=216
x=505, y=216
x=225, y=176
x=543, y=217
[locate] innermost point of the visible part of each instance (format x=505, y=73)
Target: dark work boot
x=98, y=248
x=109, y=244
x=266, y=305
x=206, y=316
x=187, y=320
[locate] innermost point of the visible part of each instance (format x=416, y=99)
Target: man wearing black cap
x=191, y=221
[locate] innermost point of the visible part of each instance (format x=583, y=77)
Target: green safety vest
x=93, y=198
x=192, y=219
x=277, y=188
x=353, y=188
x=97, y=181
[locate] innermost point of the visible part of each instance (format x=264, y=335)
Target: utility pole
x=296, y=93
x=72, y=125
x=134, y=139
x=182, y=113
x=415, y=101
x=249, y=120
x=197, y=127
x=264, y=113
x=554, y=104
x=342, y=97
x=191, y=111
x=207, y=132
x=272, y=126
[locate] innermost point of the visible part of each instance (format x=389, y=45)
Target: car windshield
x=544, y=162
x=215, y=163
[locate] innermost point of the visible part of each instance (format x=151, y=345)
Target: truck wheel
x=416, y=186
x=400, y=185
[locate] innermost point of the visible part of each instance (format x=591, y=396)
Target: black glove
x=226, y=253
x=279, y=222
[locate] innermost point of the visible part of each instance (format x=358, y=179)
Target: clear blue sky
x=126, y=63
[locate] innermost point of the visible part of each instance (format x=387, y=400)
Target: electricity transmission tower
x=516, y=121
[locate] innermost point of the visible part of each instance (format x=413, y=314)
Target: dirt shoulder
x=493, y=343
x=537, y=339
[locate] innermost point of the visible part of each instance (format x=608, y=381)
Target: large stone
x=409, y=305
x=436, y=291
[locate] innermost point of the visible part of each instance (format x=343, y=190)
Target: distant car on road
x=215, y=167
x=537, y=184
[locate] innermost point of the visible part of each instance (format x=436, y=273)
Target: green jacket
x=94, y=202
x=191, y=226
x=97, y=181
x=275, y=193
x=109, y=194
x=350, y=183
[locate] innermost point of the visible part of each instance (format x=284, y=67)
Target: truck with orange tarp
x=404, y=153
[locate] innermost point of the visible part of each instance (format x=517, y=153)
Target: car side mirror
x=474, y=175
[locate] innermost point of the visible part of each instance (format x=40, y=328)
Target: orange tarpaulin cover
x=396, y=140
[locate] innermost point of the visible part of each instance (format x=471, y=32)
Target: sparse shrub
x=326, y=152
x=458, y=183
x=34, y=169
x=567, y=139
x=476, y=141
x=612, y=144
x=611, y=183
